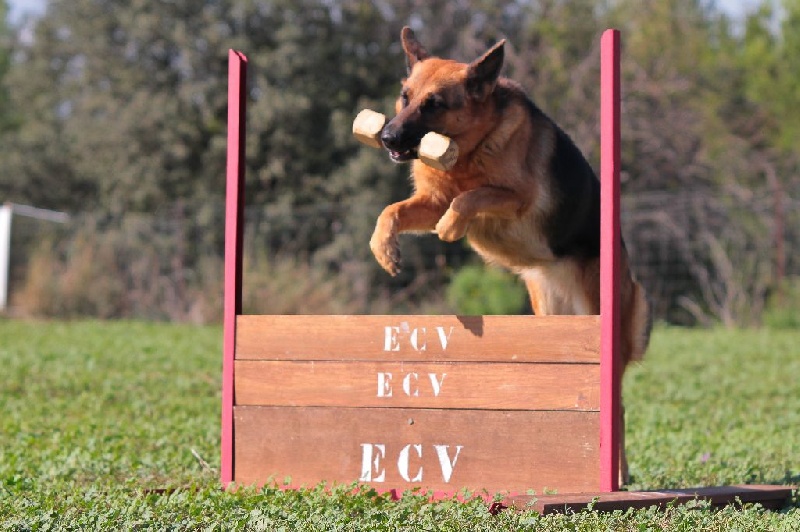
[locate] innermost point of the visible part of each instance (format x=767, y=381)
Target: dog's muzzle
x=401, y=142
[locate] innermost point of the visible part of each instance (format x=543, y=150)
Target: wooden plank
x=495, y=386
x=770, y=496
x=442, y=450
x=558, y=339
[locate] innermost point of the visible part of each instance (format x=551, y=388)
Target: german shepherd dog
x=521, y=191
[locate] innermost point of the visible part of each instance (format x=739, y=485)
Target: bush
x=287, y=285
x=783, y=306
x=485, y=290
x=83, y=280
x=120, y=271
x=145, y=270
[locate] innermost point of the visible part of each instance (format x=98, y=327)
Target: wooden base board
x=771, y=497
x=430, y=449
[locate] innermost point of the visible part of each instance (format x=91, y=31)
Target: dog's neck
x=488, y=136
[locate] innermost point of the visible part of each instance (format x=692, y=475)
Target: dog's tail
x=642, y=325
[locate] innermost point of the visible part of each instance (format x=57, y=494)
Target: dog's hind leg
x=572, y=287
x=563, y=287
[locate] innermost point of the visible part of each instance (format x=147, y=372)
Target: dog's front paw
x=386, y=250
x=451, y=226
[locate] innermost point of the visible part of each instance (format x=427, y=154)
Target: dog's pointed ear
x=482, y=73
x=414, y=50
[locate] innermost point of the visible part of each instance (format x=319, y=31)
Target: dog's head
x=438, y=95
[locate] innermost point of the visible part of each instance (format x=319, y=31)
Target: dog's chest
x=515, y=243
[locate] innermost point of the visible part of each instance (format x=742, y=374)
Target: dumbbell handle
x=435, y=150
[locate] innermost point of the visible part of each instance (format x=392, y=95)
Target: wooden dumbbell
x=435, y=150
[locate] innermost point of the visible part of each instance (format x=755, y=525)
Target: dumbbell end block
x=438, y=151
x=367, y=127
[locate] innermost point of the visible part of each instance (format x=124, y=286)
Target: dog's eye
x=433, y=103
x=404, y=99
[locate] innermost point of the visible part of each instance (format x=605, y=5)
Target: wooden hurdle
x=443, y=403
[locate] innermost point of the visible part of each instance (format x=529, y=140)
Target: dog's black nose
x=389, y=137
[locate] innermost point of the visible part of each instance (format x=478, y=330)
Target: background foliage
x=114, y=111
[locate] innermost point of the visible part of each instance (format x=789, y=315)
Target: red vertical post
x=234, y=231
x=610, y=236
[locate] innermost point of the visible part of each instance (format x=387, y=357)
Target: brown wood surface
x=770, y=496
x=496, y=386
x=558, y=339
x=499, y=450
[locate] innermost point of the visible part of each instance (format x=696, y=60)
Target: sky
x=19, y=8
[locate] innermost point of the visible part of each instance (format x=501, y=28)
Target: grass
x=115, y=425
x=716, y=407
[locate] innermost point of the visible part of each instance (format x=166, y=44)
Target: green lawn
x=115, y=425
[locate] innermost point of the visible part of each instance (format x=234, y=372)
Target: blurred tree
x=106, y=126
x=771, y=57
x=6, y=112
